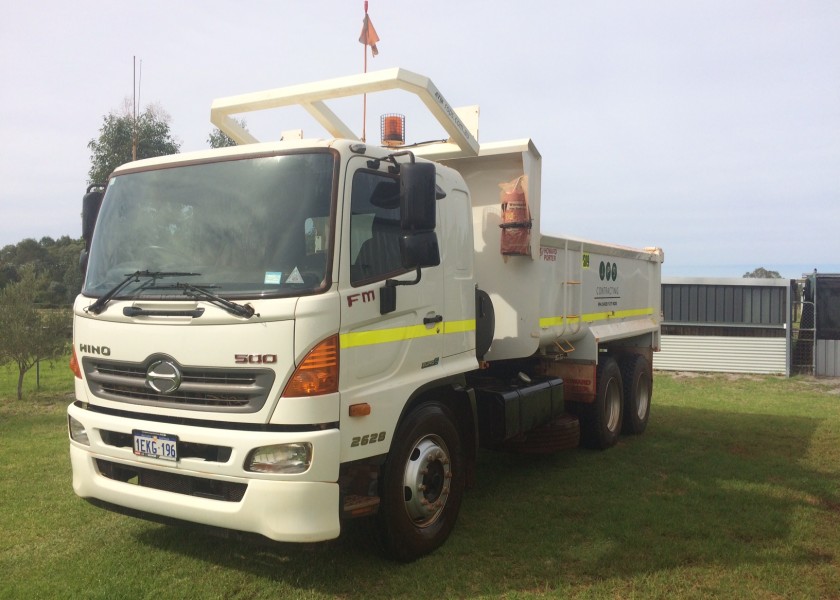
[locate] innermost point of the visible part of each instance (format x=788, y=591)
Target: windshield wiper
x=98, y=306
x=195, y=291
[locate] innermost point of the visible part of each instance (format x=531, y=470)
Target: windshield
x=241, y=228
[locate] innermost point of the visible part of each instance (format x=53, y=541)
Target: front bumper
x=219, y=493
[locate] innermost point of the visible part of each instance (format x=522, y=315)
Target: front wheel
x=423, y=484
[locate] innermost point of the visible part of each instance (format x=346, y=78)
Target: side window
x=374, y=227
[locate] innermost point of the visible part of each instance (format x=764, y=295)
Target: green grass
x=733, y=492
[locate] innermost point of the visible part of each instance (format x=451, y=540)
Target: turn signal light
x=360, y=410
x=74, y=365
x=318, y=373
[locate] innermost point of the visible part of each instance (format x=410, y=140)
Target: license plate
x=156, y=445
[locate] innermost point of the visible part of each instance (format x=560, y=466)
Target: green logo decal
x=608, y=271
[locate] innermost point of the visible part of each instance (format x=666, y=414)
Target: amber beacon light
x=393, y=130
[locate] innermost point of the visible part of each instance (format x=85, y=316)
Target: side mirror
x=83, y=261
x=91, y=204
x=419, y=250
x=418, y=242
x=417, y=196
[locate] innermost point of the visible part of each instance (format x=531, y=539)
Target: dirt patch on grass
x=723, y=376
x=830, y=385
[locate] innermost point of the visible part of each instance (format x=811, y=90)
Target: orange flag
x=369, y=36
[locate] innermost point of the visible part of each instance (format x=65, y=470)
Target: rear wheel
x=423, y=484
x=601, y=420
x=638, y=389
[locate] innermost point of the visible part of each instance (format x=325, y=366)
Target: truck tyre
x=422, y=485
x=601, y=420
x=638, y=390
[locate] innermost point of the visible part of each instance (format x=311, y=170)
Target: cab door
x=384, y=357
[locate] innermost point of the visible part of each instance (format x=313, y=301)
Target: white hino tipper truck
x=275, y=337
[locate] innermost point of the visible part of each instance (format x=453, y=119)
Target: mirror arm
x=388, y=293
x=395, y=282
x=393, y=159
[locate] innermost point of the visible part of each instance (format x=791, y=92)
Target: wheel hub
x=428, y=474
x=613, y=405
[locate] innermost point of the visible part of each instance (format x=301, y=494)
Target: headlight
x=287, y=459
x=78, y=433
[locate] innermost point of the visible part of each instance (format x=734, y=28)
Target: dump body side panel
x=563, y=290
x=593, y=293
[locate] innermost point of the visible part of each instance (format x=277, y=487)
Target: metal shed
x=726, y=325
x=817, y=346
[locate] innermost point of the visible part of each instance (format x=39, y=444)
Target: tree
x=113, y=147
x=61, y=269
x=29, y=334
x=762, y=273
x=219, y=139
x=56, y=263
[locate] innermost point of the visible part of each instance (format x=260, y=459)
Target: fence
x=726, y=325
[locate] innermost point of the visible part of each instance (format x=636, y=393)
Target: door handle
x=433, y=320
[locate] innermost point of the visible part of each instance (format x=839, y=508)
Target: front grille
x=206, y=452
x=187, y=485
x=202, y=388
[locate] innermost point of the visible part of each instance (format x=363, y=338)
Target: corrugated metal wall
x=725, y=325
x=724, y=303
x=827, y=358
x=722, y=354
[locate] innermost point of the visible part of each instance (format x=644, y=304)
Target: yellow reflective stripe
x=383, y=336
x=399, y=334
x=547, y=322
x=459, y=326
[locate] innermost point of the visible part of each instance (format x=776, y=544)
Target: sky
x=709, y=128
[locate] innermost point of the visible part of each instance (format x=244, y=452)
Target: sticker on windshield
x=294, y=276
x=273, y=277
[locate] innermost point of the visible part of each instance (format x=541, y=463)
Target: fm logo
x=368, y=296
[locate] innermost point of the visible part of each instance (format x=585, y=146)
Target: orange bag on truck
x=516, y=218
